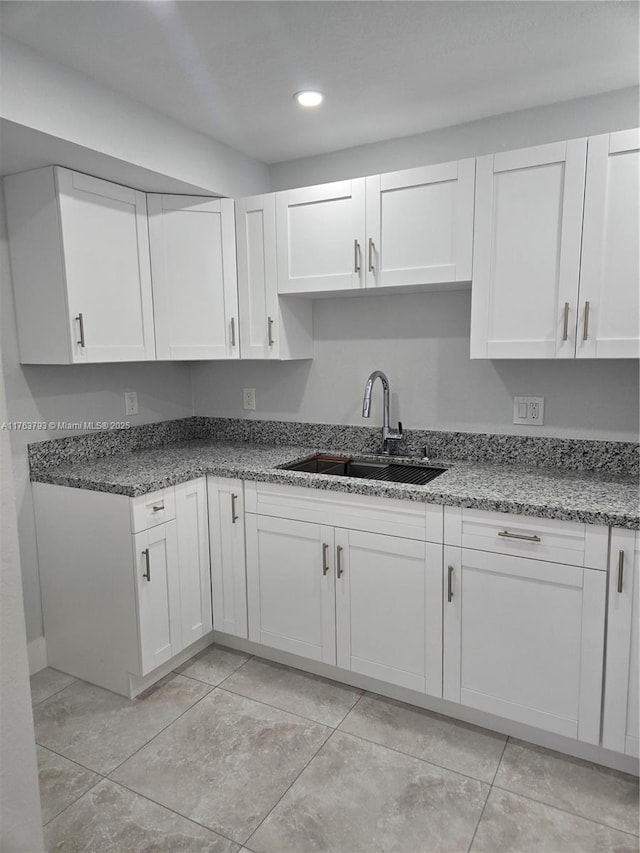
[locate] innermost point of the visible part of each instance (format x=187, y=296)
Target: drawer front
x=407, y=519
x=556, y=541
x=152, y=509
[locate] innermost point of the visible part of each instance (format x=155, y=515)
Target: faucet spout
x=388, y=434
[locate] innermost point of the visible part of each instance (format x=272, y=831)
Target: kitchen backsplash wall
x=421, y=341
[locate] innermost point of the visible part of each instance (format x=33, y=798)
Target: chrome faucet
x=388, y=434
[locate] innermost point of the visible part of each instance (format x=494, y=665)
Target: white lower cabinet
x=621, y=722
x=227, y=550
x=367, y=602
x=125, y=581
x=523, y=630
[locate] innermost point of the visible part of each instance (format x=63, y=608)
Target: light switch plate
x=528, y=410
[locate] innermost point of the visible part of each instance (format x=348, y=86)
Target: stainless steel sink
x=346, y=466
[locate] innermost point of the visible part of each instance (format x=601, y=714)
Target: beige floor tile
x=99, y=729
x=47, y=682
x=457, y=746
x=62, y=782
x=225, y=763
x=110, y=819
x=213, y=665
x=358, y=797
x=577, y=786
x=293, y=690
x=514, y=824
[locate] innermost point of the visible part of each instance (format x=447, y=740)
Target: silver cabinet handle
x=620, y=569
x=270, y=331
x=356, y=256
x=339, y=571
x=234, y=515
x=80, y=320
x=233, y=331
x=325, y=562
x=585, y=330
x=508, y=535
x=147, y=575
x=450, y=583
x=158, y=508
x=565, y=328
x=371, y=248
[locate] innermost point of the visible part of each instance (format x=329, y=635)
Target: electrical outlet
x=528, y=410
x=130, y=403
x=248, y=399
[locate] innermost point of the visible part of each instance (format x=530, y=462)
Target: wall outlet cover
x=130, y=402
x=528, y=410
x=249, y=399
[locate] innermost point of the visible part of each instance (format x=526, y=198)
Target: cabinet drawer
x=573, y=543
x=152, y=509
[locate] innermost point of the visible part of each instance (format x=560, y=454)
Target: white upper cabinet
x=407, y=228
x=609, y=313
x=420, y=225
x=320, y=237
x=193, y=264
x=271, y=327
x=526, y=254
x=80, y=267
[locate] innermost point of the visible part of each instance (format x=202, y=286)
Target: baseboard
x=37, y=652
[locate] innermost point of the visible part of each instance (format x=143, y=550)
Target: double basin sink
x=347, y=466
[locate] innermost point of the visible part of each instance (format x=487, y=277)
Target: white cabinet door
x=526, y=254
x=621, y=722
x=524, y=639
x=291, y=586
x=193, y=262
x=420, y=225
x=80, y=267
x=193, y=560
x=320, y=237
x=270, y=326
x=227, y=548
x=609, y=318
x=158, y=590
x=389, y=610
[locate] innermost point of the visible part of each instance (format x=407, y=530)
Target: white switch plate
x=130, y=403
x=248, y=399
x=528, y=410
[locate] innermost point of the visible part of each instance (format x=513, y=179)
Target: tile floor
x=233, y=753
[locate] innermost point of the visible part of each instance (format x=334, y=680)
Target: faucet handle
x=400, y=428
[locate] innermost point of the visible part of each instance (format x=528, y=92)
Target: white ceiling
x=388, y=69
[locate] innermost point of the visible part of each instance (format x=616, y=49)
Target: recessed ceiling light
x=309, y=98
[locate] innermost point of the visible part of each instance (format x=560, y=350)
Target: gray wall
x=70, y=393
x=422, y=341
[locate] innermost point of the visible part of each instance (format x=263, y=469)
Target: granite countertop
x=594, y=498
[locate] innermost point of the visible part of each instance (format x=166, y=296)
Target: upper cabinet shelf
x=555, y=266
x=80, y=266
x=411, y=228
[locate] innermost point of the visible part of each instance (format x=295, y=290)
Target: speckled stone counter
x=594, y=497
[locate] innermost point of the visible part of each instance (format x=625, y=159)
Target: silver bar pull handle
x=233, y=331
x=356, y=256
x=339, y=571
x=80, y=320
x=620, y=569
x=270, y=331
x=158, y=507
x=585, y=330
x=234, y=515
x=565, y=328
x=147, y=575
x=325, y=562
x=508, y=535
x=449, y=583
x=371, y=249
